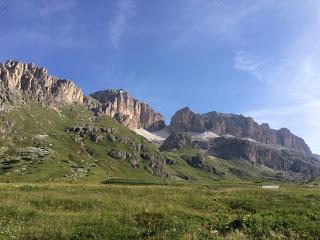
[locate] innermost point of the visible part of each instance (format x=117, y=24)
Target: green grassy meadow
x=135, y=210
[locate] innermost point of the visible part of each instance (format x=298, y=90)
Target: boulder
x=135, y=160
x=110, y=137
x=156, y=167
x=117, y=154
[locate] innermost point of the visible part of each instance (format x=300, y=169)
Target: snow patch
x=228, y=136
x=249, y=139
x=149, y=135
x=163, y=133
x=206, y=135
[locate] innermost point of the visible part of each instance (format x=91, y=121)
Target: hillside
x=40, y=144
x=51, y=131
x=35, y=146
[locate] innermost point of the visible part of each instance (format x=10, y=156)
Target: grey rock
x=147, y=156
x=117, y=154
x=156, y=167
x=170, y=161
x=271, y=156
x=194, y=161
x=95, y=137
x=197, y=161
x=239, y=126
x=30, y=153
x=110, y=137
x=123, y=139
x=176, y=141
x=135, y=160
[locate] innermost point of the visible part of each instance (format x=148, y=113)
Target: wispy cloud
x=290, y=72
x=251, y=64
x=125, y=10
x=214, y=19
x=52, y=25
x=293, y=77
x=45, y=9
x=205, y=3
x=302, y=119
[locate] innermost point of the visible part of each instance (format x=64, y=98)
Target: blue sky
x=255, y=57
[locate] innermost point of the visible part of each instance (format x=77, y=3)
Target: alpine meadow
x=207, y=153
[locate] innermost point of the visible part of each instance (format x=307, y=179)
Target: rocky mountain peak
x=127, y=110
x=239, y=126
x=20, y=81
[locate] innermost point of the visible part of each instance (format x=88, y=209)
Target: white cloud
x=119, y=23
x=291, y=74
x=217, y=18
x=246, y=63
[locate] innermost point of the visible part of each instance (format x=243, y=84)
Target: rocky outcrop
x=19, y=81
x=237, y=125
x=176, y=141
x=156, y=166
x=197, y=161
x=194, y=161
x=127, y=110
x=117, y=154
x=269, y=155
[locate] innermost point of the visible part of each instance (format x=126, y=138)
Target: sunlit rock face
x=127, y=110
x=239, y=126
x=19, y=81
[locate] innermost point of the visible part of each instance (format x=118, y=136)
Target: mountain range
x=50, y=129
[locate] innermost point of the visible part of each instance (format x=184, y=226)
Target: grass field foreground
x=121, y=211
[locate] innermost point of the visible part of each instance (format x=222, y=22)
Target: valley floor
x=140, y=211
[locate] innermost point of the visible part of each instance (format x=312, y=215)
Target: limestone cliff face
x=237, y=125
x=127, y=110
x=293, y=164
x=269, y=155
x=19, y=81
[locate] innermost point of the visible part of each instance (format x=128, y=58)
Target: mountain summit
x=239, y=126
x=21, y=81
x=127, y=110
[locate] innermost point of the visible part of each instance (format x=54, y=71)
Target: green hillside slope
x=39, y=143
